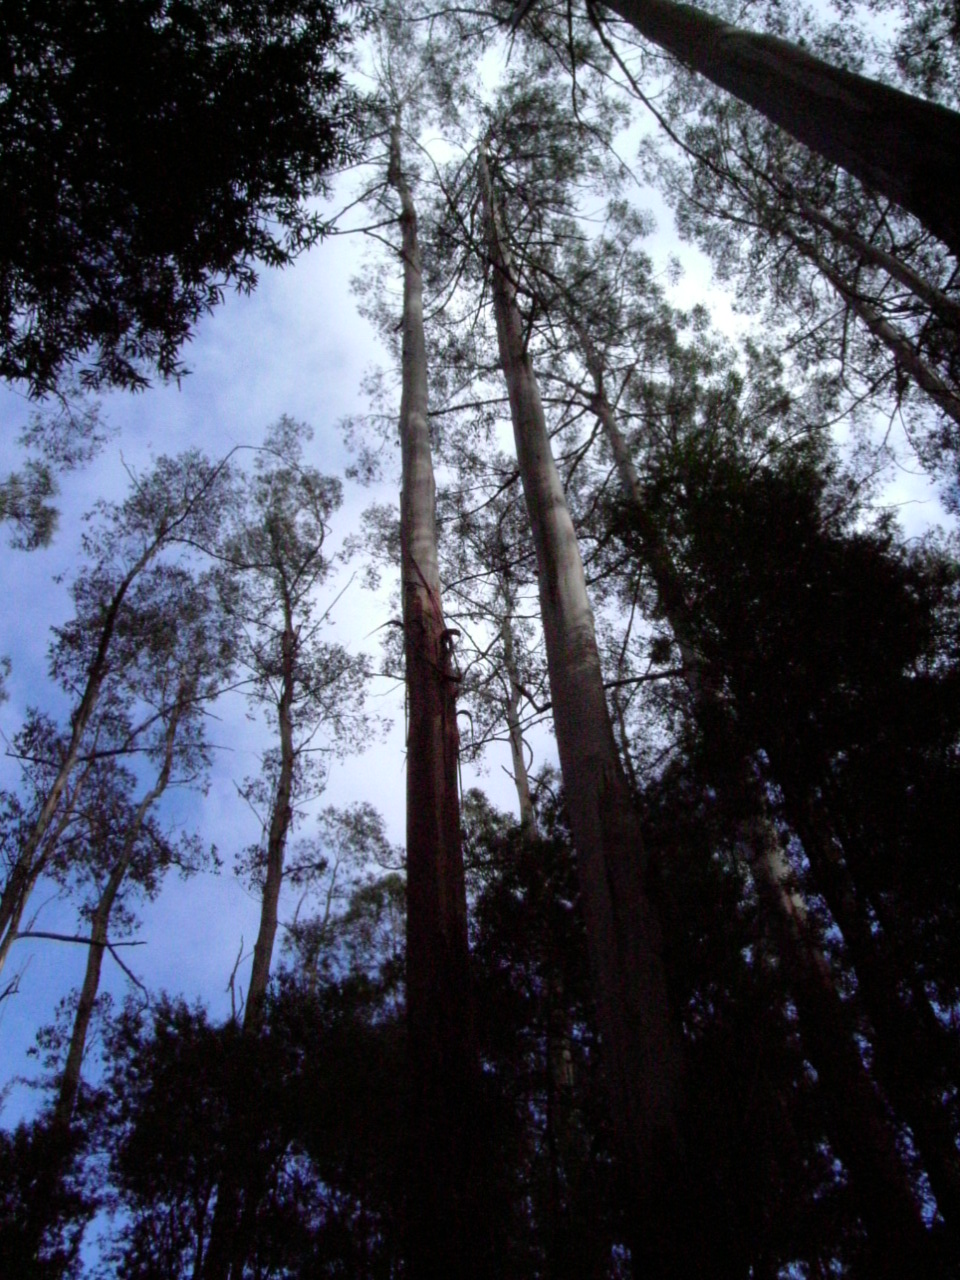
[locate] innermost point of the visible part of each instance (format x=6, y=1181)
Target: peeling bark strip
x=902, y=146
x=641, y=1045
x=444, y=1220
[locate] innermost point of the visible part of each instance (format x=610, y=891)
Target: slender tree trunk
x=927, y=379
x=947, y=308
x=281, y=813
x=670, y=592
x=444, y=1227
x=24, y=879
x=70, y=1080
x=901, y=146
x=863, y=1134
x=13, y=901
x=237, y=1195
x=521, y=779
x=59, y=1136
x=25, y=872
x=640, y=1038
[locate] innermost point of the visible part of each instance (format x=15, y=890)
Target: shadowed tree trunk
x=640, y=1040
x=899, y=145
x=862, y=1132
x=915, y=1056
x=232, y=1224
x=444, y=1227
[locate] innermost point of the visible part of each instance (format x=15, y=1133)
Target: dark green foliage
x=151, y=152
x=760, y=1179
x=830, y=667
x=317, y=1102
x=836, y=648
x=302, y=1121
x=313, y=1100
x=25, y=502
x=27, y=1200
x=539, y=1041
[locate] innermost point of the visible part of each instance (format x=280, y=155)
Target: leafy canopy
x=151, y=151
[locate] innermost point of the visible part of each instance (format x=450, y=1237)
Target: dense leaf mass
x=152, y=152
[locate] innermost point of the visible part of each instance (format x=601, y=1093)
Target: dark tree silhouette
x=150, y=155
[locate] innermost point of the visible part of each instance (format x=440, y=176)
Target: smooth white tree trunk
x=640, y=1038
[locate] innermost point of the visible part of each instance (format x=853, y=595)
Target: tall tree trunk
x=237, y=1192
x=916, y=1059
x=640, y=1039
x=863, y=1135
x=901, y=146
x=444, y=1227
x=281, y=813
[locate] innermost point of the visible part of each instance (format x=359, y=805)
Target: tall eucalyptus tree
x=187, y=661
x=606, y=324
x=443, y=1205
x=640, y=1037
x=447, y=1228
